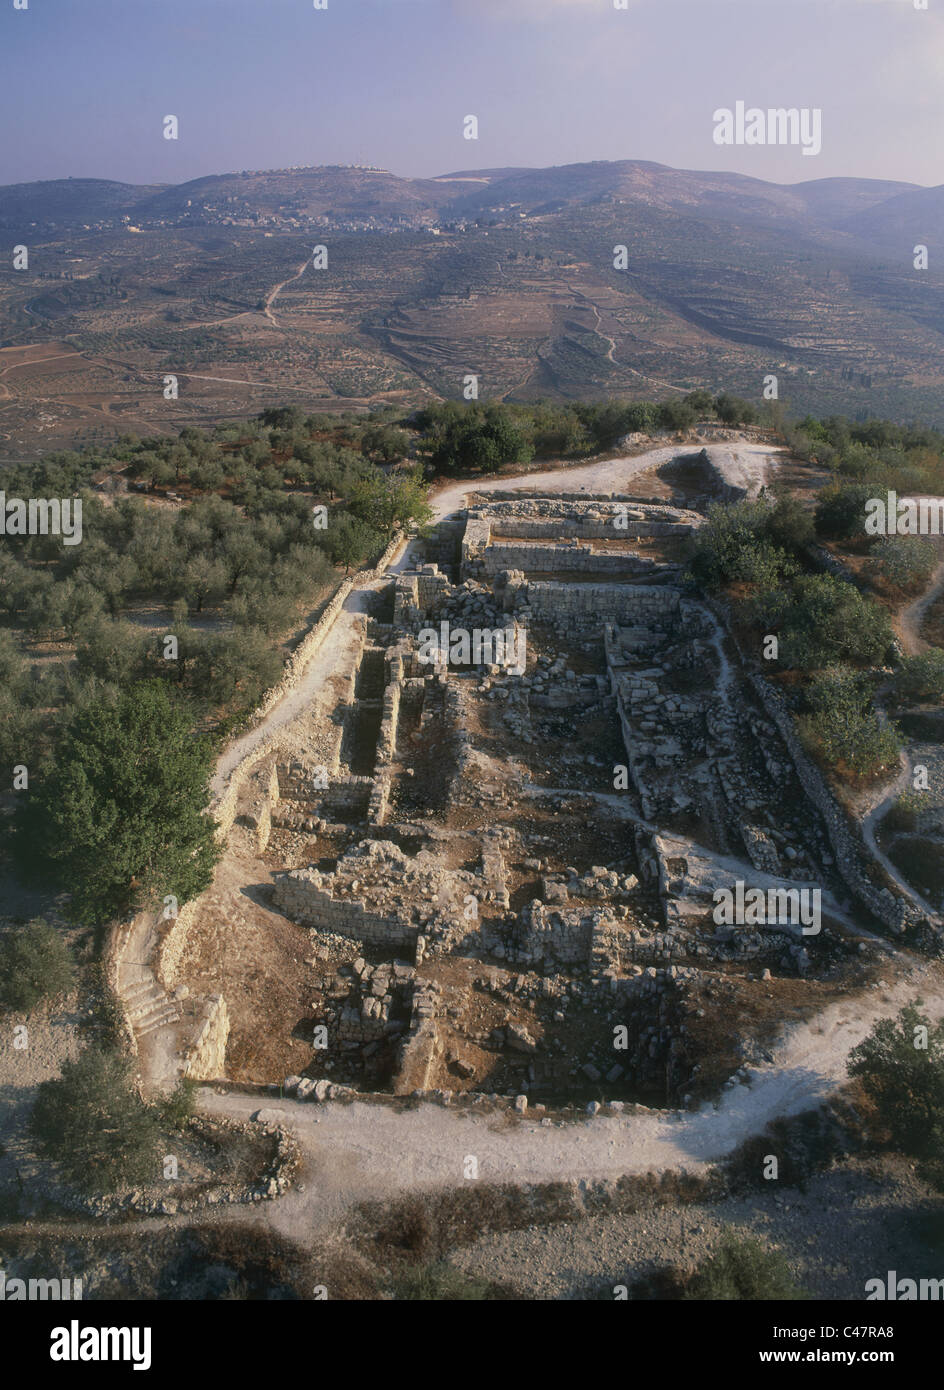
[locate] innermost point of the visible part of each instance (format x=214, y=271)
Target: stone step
x=160, y=1020
x=147, y=1004
x=137, y=991
x=152, y=1007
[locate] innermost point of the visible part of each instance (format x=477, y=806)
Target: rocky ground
x=853, y=1223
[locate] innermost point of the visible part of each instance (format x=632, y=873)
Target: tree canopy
x=118, y=818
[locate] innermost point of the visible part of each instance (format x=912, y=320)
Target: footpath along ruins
x=501, y=858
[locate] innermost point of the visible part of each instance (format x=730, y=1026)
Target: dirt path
x=273, y=294
x=319, y=669
x=750, y=463
x=870, y=823
x=361, y=1151
x=315, y=675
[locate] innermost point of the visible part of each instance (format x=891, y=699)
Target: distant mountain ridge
x=875, y=211
x=583, y=281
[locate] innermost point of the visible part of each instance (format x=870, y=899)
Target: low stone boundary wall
x=271, y=1181
x=891, y=907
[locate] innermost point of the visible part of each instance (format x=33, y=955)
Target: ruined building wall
x=503, y=555
x=647, y=605
x=299, y=895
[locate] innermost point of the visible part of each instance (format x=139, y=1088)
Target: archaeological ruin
x=501, y=861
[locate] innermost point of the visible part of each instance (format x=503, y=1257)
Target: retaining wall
x=206, y=1056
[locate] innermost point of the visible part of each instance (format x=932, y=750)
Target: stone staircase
x=148, y=1007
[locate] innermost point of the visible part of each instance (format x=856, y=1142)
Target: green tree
x=676, y=414
x=92, y=1122
x=840, y=511
x=119, y=818
x=733, y=546
x=901, y=1067
x=385, y=442
x=735, y=411
x=790, y=525
x=349, y=541
x=35, y=964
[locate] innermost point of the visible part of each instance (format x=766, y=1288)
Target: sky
x=257, y=84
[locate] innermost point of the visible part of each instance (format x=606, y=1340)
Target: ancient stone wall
x=173, y=943
x=387, y=739
x=566, y=934
x=206, y=1056
x=547, y=559
x=577, y=604
x=422, y=1046
x=301, y=897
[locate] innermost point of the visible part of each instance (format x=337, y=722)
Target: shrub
x=845, y=728
x=840, y=512
x=921, y=676
x=35, y=964
x=441, y=1283
x=904, y=561
x=178, y=1107
x=906, y=810
x=744, y=1269
x=904, y=1080
x=731, y=546
x=830, y=621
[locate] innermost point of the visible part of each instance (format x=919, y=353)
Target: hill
x=506, y=273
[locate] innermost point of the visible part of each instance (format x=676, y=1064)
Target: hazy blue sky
x=85, y=84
